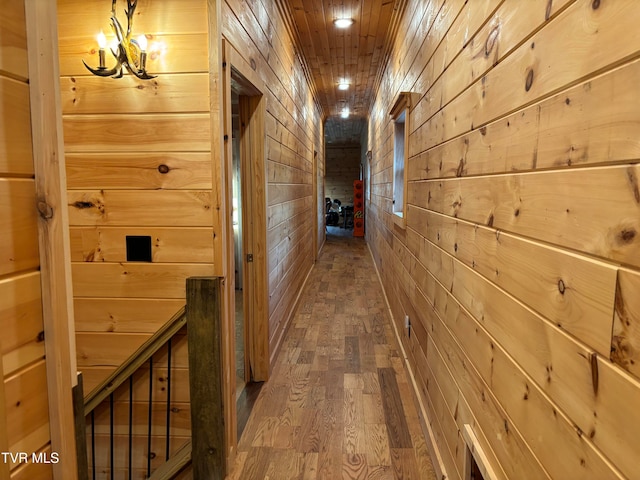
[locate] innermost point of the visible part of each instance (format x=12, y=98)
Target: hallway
x=338, y=404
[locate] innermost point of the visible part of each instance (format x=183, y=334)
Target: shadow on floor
x=337, y=232
x=245, y=402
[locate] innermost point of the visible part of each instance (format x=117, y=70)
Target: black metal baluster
x=111, y=433
x=93, y=444
x=130, y=424
x=168, y=397
x=150, y=413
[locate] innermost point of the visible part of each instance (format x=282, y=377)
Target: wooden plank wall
x=293, y=127
x=520, y=263
x=138, y=163
x=343, y=167
x=119, y=132
x=24, y=410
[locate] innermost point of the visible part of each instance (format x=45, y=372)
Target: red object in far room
x=358, y=209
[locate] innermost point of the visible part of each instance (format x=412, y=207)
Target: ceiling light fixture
x=343, y=22
x=345, y=112
x=130, y=53
x=343, y=86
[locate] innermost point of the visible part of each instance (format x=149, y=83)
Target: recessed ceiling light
x=343, y=22
x=343, y=86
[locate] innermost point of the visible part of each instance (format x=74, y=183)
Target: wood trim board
x=53, y=227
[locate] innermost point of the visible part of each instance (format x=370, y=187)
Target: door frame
x=240, y=76
x=314, y=181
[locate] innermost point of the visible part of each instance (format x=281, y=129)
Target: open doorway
x=246, y=185
x=242, y=359
x=342, y=168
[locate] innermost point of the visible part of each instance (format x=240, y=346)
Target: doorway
x=243, y=182
x=246, y=227
x=237, y=219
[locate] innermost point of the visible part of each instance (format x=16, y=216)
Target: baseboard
x=429, y=436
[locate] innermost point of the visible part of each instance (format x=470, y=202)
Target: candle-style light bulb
x=142, y=43
x=102, y=43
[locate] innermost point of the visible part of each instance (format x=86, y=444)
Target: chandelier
x=129, y=53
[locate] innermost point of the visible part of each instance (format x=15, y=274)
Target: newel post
x=80, y=429
x=204, y=333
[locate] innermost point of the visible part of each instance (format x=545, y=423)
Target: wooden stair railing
x=135, y=361
x=206, y=450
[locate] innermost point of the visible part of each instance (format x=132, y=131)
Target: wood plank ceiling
x=355, y=54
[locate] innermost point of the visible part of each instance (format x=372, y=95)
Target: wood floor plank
x=330, y=455
x=265, y=433
x=317, y=397
x=352, y=354
x=238, y=466
x=366, y=342
x=378, y=453
x=298, y=392
x=368, y=363
x=353, y=380
x=404, y=464
x=354, y=434
x=310, y=432
x=282, y=464
x=399, y=436
x=309, y=466
x=256, y=463
x=373, y=412
x=287, y=437
x=371, y=384
x=354, y=466
x=338, y=403
x=306, y=357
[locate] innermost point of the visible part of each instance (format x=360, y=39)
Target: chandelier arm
x=117, y=29
x=141, y=74
x=103, y=72
x=131, y=8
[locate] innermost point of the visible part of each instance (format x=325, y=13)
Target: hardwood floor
x=338, y=404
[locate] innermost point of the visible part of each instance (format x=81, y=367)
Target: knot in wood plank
x=45, y=210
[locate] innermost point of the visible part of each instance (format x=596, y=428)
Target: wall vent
x=138, y=248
